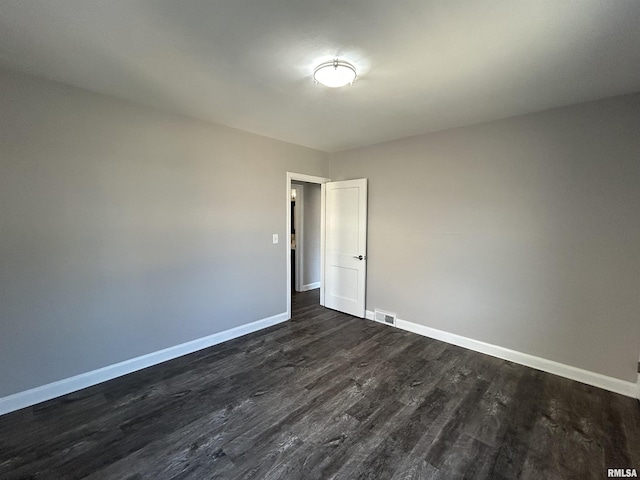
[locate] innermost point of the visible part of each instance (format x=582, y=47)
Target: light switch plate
x=275, y=238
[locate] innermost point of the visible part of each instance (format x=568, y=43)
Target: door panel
x=346, y=246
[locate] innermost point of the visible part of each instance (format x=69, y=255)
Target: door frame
x=302, y=177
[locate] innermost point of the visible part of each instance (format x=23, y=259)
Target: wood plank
x=326, y=395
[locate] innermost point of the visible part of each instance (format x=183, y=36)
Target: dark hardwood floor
x=326, y=396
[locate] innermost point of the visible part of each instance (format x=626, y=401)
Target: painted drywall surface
x=311, y=238
x=523, y=233
x=124, y=230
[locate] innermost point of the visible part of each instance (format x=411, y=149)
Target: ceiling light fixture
x=335, y=74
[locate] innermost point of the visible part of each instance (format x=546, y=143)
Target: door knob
x=360, y=257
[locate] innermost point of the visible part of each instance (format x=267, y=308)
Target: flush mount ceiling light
x=335, y=74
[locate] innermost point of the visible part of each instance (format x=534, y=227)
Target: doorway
x=305, y=236
x=306, y=253
x=343, y=243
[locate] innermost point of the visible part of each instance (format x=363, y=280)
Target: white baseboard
x=36, y=395
x=573, y=373
x=310, y=286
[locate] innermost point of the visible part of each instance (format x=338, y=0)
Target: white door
x=346, y=246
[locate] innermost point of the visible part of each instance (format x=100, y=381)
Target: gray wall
x=311, y=238
x=124, y=230
x=523, y=233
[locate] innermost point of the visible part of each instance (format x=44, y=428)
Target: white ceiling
x=424, y=65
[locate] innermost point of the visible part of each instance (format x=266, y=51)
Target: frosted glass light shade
x=335, y=74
